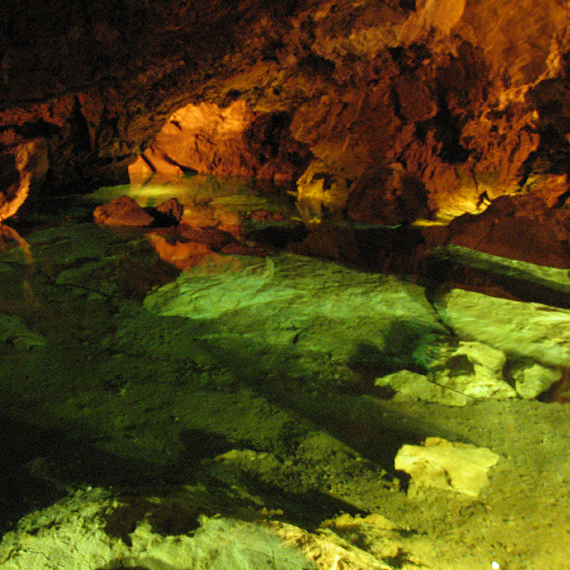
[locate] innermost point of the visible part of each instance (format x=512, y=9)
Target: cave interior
x=285, y=272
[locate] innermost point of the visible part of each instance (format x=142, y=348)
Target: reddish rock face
x=395, y=111
x=521, y=227
x=123, y=211
x=224, y=141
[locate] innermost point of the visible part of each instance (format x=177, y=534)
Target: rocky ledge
x=387, y=112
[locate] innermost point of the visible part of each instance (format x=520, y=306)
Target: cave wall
x=387, y=111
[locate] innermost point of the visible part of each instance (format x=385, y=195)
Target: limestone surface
x=98, y=527
x=280, y=301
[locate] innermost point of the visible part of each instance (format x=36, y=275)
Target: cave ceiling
x=391, y=111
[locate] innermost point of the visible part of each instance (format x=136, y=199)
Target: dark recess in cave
x=316, y=65
x=411, y=58
x=39, y=128
x=79, y=136
x=448, y=133
x=553, y=153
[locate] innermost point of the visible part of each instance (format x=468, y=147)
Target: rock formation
x=388, y=111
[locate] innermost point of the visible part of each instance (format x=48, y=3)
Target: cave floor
x=99, y=391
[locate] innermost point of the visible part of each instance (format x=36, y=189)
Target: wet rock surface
x=123, y=211
x=410, y=110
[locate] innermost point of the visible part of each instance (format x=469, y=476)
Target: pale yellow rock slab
x=442, y=464
x=530, y=330
x=533, y=379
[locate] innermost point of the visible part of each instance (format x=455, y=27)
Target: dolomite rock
x=445, y=465
x=218, y=543
x=224, y=141
x=30, y=165
x=13, y=330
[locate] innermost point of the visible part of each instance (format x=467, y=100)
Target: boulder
x=458, y=373
x=408, y=385
x=532, y=379
x=472, y=369
x=172, y=210
x=446, y=465
x=501, y=276
x=123, y=211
